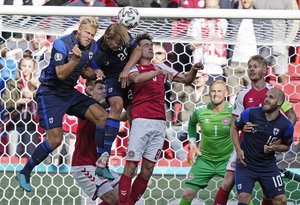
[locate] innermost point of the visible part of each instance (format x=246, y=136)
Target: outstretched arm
x=189, y=77
x=136, y=77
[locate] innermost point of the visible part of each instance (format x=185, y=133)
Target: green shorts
x=202, y=171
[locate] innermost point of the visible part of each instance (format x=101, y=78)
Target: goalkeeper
x=215, y=120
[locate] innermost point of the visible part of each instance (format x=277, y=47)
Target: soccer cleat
x=104, y=172
x=24, y=184
x=103, y=160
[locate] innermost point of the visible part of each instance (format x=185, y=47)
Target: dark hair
x=143, y=36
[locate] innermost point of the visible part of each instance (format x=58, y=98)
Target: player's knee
x=130, y=170
x=280, y=200
x=244, y=197
x=189, y=194
x=55, y=139
x=116, y=106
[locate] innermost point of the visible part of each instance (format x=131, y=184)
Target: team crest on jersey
x=58, y=57
x=226, y=121
x=91, y=55
x=250, y=100
x=206, y=120
x=190, y=176
x=275, y=131
x=131, y=154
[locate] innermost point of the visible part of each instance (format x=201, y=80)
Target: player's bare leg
x=280, y=200
x=244, y=198
x=55, y=137
x=107, y=134
x=224, y=191
x=141, y=182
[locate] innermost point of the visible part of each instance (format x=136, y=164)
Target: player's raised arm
x=189, y=77
x=63, y=71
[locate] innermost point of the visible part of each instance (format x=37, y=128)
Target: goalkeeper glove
x=193, y=153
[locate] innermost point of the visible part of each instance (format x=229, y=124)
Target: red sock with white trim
x=139, y=186
x=124, y=189
x=221, y=197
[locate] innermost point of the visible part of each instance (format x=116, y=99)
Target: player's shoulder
x=244, y=91
x=269, y=86
x=202, y=108
x=228, y=106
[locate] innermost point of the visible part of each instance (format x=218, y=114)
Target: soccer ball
x=129, y=16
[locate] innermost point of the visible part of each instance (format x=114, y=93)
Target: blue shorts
x=270, y=181
x=51, y=107
x=113, y=88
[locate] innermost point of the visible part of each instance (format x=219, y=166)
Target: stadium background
x=51, y=180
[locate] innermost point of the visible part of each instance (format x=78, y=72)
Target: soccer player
x=216, y=146
x=71, y=56
x=85, y=155
x=252, y=95
x=148, y=128
x=117, y=53
x=256, y=159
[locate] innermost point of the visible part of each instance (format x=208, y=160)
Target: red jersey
x=249, y=97
x=149, y=97
x=85, y=147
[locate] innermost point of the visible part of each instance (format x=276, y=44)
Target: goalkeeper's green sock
x=183, y=201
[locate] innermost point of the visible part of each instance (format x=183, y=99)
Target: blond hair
x=217, y=82
x=260, y=59
x=117, y=32
x=89, y=20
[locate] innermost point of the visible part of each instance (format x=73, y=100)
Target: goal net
x=222, y=39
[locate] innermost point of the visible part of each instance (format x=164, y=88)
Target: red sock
x=139, y=186
x=124, y=189
x=104, y=203
x=266, y=202
x=221, y=197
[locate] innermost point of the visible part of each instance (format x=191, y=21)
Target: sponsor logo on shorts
x=123, y=192
x=58, y=57
x=239, y=186
x=280, y=189
x=131, y=154
x=51, y=120
x=190, y=176
x=232, y=164
x=110, y=90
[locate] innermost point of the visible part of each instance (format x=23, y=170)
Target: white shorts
x=146, y=139
x=232, y=162
x=87, y=180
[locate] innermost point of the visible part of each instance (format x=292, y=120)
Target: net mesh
x=267, y=31
x=175, y=43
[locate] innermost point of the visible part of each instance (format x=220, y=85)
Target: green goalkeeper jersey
x=216, y=144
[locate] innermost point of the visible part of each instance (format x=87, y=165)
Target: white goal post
x=173, y=34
